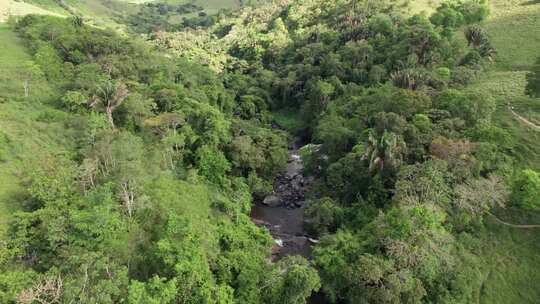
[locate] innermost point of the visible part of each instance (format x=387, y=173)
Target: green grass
x=50, y=5
x=15, y=63
x=19, y=8
x=29, y=129
x=213, y=6
x=427, y=6
x=507, y=87
x=511, y=256
x=510, y=260
x=209, y=4
x=514, y=29
x=193, y=199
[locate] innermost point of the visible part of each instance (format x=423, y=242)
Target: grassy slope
x=511, y=256
x=514, y=28
x=29, y=129
x=16, y=8
x=100, y=13
x=213, y=6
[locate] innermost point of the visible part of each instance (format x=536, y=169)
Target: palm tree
x=384, y=153
x=478, y=38
x=475, y=35
x=108, y=97
x=411, y=79
x=77, y=21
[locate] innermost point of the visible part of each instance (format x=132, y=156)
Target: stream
x=282, y=212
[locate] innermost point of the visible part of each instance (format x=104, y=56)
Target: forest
x=131, y=160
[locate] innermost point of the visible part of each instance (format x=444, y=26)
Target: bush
x=463, y=76
x=212, y=165
x=74, y=100
x=453, y=14
x=325, y=216
x=422, y=122
x=526, y=190
x=4, y=142
x=474, y=11
x=533, y=81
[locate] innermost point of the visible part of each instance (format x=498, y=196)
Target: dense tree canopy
x=176, y=135
x=152, y=206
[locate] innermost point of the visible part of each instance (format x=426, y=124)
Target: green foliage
x=325, y=216
x=148, y=201
x=473, y=108
x=293, y=281
x=422, y=122
x=384, y=155
x=526, y=190
x=74, y=100
x=533, y=81
x=353, y=277
x=212, y=165
x=455, y=13
x=289, y=120
x=4, y=146
x=155, y=291
x=13, y=282
x=119, y=213
x=182, y=254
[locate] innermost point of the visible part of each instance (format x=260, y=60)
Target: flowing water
x=283, y=211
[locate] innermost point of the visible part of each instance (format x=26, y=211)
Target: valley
x=280, y=152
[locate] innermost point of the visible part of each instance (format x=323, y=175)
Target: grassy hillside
x=514, y=27
x=104, y=13
x=29, y=129
x=511, y=255
x=214, y=4
x=19, y=8
x=510, y=260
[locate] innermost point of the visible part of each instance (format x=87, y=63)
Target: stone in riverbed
x=272, y=201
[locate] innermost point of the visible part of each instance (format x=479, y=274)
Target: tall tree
x=108, y=97
x=384, y=153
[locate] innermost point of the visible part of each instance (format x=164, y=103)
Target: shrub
x=526, y=190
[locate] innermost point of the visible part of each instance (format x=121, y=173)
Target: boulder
x=272, y=201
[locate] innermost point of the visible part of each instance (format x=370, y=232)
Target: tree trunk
x=110, y=117
x=129, y=199
x=26, y=88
